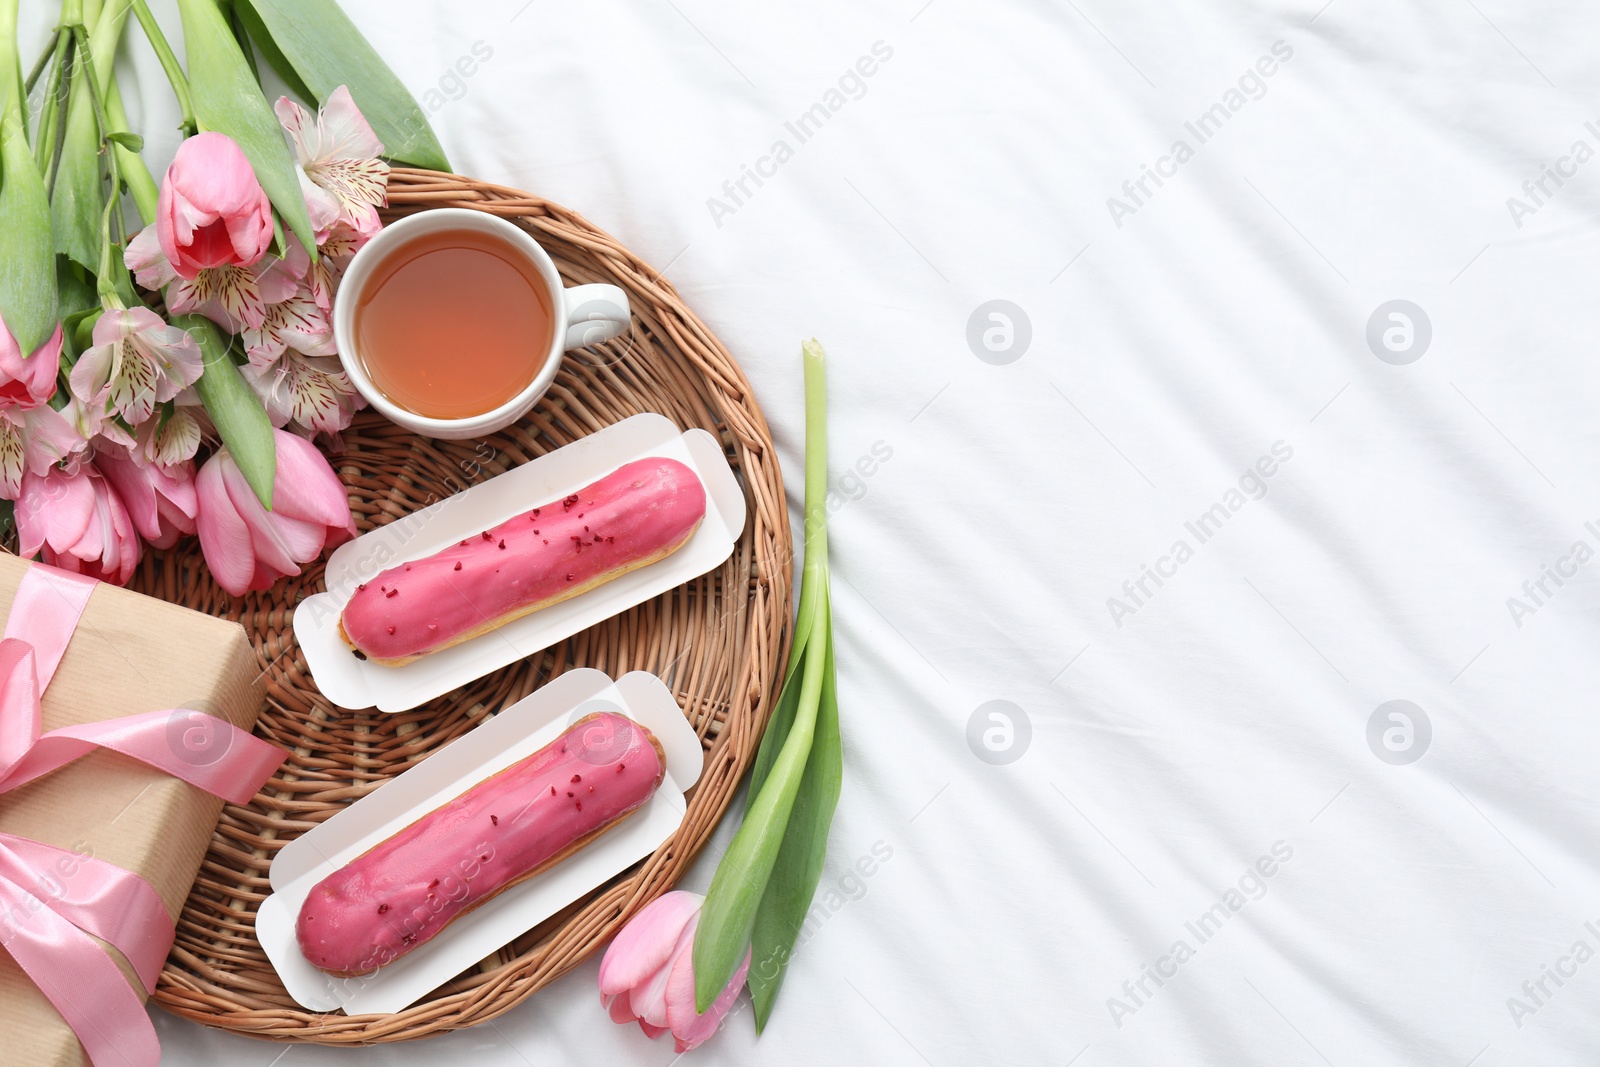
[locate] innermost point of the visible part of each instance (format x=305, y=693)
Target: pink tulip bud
x=248, y=547
x=77, y=522
x=212, y=212
x=647, y=975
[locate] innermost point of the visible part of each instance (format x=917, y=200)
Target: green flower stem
x=45, y=142
x=169, y=63
x=43, y=61
x=142, y=186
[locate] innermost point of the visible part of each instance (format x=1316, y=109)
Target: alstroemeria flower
x=161, y=500
x=28, y=379
x=212, y=212
x=248, y=547
x=309, y=391
x=32, y=440
x=170, y=440
x=298, y=323
x=342, y=177
x=138, y=361
x=334, y=253
x=647, y=974
x=79, y=523
x=235, y=298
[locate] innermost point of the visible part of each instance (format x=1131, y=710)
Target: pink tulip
x=161, y=501
x=28, y=379
x=647, y=975
x=78, y=522
x=212, y=211
x=248, y=547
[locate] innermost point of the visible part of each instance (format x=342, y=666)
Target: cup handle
x=596, y=313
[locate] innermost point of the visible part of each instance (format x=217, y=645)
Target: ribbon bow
x=52, y=899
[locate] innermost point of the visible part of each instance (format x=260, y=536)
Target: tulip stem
x=169, y=64
x=43, y=61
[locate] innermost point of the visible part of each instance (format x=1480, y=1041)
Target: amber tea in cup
x=454, y=324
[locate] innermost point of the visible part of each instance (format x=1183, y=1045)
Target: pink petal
x=306, y=487
x=224, y=537
x=30, y=379
x=649, y=998
x=688, y=1028
x=617, y=1007
x=54, y=510
x=134, y=487
x=346, y=134
x=267, y=542
x=652, y=1032
x=645, y=943
x=148, y=262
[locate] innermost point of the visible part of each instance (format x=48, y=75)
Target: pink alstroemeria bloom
x=161, y=501
x=299, y=323
x=212, y=212
x=647, y=975
x=28, y=379
x=235, y=298
x=138, y=361
x=312, y=392
x=248, y=547
x=342, y=177
x=77, y=520
x=32, y=440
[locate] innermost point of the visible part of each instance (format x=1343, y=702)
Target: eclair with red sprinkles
x=634, y=516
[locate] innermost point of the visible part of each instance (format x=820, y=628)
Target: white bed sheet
x=1224, y=714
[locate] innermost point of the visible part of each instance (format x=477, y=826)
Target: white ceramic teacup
x=582, y=314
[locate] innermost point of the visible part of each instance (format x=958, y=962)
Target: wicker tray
x=717, y=642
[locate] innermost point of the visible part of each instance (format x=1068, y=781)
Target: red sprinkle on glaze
x=570, y=576
x=620, y=766
x=382, y=908
x=569, y=792
x=494, y=819
x=486, y=536
x=391, y=631
x=502, y=542
x=433, y=883
x=392, y=592
x=408, y=566
x=577, y=777
x=552, y=790
x=580, y=805
x=360, y=587
x=458, y=564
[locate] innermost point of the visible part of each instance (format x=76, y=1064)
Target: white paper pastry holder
x=517, y=732
x=354, y=683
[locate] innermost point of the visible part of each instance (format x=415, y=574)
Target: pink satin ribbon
x=52, y=899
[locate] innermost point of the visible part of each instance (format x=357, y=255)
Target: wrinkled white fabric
x=1205, y=734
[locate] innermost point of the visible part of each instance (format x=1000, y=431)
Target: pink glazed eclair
x=637, y=514
x=403, y=891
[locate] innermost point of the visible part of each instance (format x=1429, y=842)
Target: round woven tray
x=716, y=641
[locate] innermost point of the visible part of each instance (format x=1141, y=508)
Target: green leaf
x=269, y=49
x=233, y=406
x=319, y=43
x=728, y=916
x=798, y=869
x=78, y=196
x=131, y=141
x=228, y=100
x=27, y=257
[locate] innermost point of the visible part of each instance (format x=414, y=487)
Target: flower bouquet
x=166, y=352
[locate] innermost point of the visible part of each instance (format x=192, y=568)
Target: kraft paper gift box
x=130, y=654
